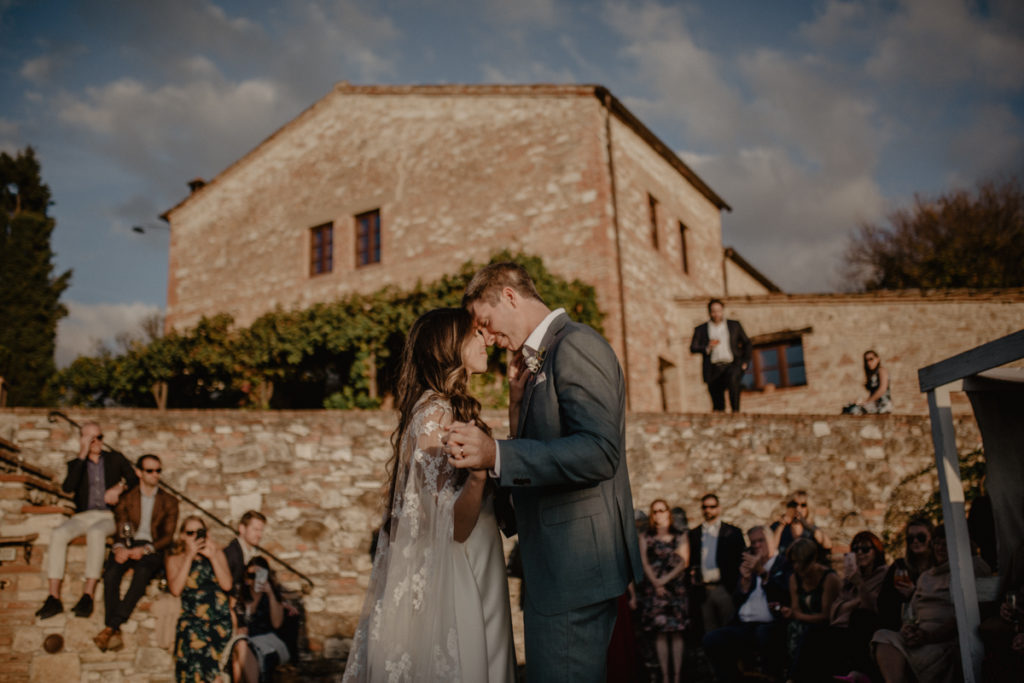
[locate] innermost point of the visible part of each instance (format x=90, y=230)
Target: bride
x=437, y=606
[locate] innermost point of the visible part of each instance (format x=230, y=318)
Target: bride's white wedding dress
x=435, y=610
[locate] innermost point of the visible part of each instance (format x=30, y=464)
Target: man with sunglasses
x=145, y=520
x=716, y=550
x=97, y=478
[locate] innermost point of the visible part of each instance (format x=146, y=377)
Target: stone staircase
x=60, y=649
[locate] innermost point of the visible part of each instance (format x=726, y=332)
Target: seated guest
x=258, y=613
x=96, y=478
x=145, y=519
x=813, y=588
x=757, y=627
x=899, y=581
x=1002, y=633
x=925, y=647
x=843, y=646
x=242, y=548
x=876, y=382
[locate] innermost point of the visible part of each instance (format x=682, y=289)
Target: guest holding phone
x=199, y=573
x=258, y=613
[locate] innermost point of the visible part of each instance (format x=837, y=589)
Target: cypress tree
x=29, y=291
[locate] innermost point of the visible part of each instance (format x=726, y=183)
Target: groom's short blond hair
x=491, y=279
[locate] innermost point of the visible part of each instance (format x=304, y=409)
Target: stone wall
x=316, y=476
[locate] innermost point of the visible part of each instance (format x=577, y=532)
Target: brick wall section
x=316, y=476
x=458, y=173
x=909, y=329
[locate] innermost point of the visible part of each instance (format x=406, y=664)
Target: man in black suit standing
x=716, y=550
x=726, y=349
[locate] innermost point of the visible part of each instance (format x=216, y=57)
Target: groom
x=565, y=463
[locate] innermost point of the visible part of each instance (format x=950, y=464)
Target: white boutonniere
x=534, y=362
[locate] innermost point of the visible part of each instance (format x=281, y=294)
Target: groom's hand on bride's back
x=469, y=448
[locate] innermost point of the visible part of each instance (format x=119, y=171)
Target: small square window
x=368, y=238
x=779, y=363
x=321, y=249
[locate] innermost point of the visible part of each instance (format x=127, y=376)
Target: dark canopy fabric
x=997, y=397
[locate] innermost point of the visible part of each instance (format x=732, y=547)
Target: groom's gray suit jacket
x=567, y=473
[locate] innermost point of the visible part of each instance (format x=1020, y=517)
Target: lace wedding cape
x=407, y=629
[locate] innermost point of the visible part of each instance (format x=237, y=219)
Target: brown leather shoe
x=116, y=643
x=102, y=639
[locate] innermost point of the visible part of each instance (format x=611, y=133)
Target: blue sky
x=807, y=117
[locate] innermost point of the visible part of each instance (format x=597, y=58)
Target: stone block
x=821, y=428
x=63, y=666
x=153, y=660
x=244, y=458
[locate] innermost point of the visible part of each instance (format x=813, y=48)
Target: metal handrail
x=52, y=418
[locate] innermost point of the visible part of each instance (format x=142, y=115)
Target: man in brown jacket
x=145, y=519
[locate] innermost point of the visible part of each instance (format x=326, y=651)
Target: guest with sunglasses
x=853, y=618
x=199, y=573
x=900, y=579
x=258, y=614
x=96, y=478
x=144, y=520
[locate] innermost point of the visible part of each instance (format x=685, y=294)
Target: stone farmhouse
x=388, y=185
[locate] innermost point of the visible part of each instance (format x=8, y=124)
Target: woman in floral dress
x=664, y=611
x=201, y=576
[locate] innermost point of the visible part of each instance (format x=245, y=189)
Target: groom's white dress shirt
x=530, y=348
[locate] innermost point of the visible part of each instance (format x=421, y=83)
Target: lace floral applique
x=396, y=669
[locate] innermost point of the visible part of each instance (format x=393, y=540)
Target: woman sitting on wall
x=876, y=381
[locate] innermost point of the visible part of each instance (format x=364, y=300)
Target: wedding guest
x=242, y=548
x=798, y=522
x=715, y=554
x=758, y=628
x=1003, y=633
x=664, y=554
x=876, y=382
x=853, y=619
x=145, y=519
x=97, y=478
x=258, y=614
x=813, y=588
x=925, y=648
x=726, y=351
x=901, y=577
x=199, y=573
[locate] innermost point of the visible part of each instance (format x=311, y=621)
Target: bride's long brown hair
x=432, y=361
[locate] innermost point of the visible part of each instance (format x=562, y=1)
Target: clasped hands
x=468, y=447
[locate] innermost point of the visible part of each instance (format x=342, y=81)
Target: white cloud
x=792, y=223
x=942, y=42
x=87, y=326
x=686, y=77
x=535, y=72
x=178, y=130
x=542, y=13
x=991, y=143
x=8, y=136
x=39, y=69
